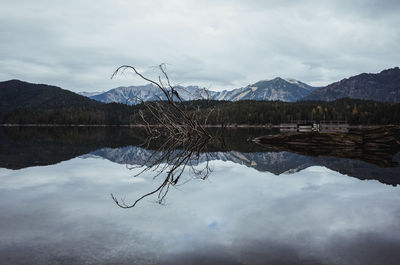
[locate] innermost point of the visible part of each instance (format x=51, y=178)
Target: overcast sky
x=220, y=44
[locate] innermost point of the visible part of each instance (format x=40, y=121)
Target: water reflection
x=22, y=147
x=259, y=205
x=169, y=162
x=373, y=145
x=62, y=214
x=168, y=159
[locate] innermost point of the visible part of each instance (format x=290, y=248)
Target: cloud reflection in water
x=63, y=213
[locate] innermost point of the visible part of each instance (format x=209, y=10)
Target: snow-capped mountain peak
x=276, y=89
x=291, y=80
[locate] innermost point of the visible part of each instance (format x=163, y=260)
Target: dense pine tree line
x=221, y=112
x=352, y=111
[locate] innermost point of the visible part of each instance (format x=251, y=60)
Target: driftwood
x=376, y=146
x=170, y=113
x=183, y=135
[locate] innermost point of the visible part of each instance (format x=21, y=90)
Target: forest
x=247, y=112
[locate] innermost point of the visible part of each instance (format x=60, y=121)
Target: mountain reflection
x=22, y=147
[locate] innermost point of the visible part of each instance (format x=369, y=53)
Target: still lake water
x=257, y=206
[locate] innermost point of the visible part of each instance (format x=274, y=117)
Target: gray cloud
x=218, y=44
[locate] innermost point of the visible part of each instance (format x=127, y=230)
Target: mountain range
x=288, y=90
x=383, y=86
x=133, y=95
x=17, y=94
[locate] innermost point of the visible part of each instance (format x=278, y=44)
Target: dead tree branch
x=184, y=133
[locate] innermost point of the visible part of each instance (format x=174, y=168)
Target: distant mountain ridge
x=133, y=95
x=16, y=94
x=57, y=102
x=383, y=86
x=27, y=103
x=288, y=90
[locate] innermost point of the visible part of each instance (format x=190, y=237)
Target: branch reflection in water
x=170, y=161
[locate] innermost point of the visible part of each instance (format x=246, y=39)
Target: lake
x=235, y=202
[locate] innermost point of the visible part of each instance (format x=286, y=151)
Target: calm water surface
x=256, y=207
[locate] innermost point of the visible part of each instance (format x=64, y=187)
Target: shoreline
x=231, y=126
